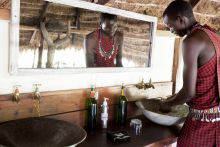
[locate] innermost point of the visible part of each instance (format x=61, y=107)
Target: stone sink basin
x=40, y=132
x=150, y=107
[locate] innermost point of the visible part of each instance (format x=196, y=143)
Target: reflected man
x=104, y=45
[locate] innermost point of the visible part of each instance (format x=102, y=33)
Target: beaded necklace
x=103, y=53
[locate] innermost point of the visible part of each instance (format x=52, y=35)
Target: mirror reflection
x=58, y=36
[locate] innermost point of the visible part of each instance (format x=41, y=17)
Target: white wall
x=161, y=70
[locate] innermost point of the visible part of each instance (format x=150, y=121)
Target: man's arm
x=119, y=55
x=89, y=45
x=191, y=50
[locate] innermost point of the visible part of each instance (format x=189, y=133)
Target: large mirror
x=67, y=34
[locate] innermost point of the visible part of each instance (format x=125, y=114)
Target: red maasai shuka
x=196, y=133
x=101, y=61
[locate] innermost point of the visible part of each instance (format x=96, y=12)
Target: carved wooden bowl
x=40, y=132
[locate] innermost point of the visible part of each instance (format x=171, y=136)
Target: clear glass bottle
x=122, y=108
x=91, y=105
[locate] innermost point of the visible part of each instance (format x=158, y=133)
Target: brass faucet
x=36, y=99
x=145, y=86
x=16, y=94
x=149, y=85
x=36, y=94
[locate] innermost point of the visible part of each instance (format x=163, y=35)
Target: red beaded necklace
x=103, y=53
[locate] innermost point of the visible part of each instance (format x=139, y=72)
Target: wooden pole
x=175, y=62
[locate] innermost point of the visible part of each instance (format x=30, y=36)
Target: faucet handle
x=145, y=86
x=149, y=85
x=141, y=84
x=16, y=94
x=36, y=93
x=36, y=85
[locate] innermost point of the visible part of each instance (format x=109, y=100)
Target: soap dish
x=118, y=136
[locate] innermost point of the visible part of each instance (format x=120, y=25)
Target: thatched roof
x=5, y=4
x=206, y=11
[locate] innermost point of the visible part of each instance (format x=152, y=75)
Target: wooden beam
x=80, y=32
x=5, y=14
x=40, y=51
x=77, y=18
x=33, y=36
x=44, y=11
x=28, y=28
x=73, y=31
x=68, y=26
x=177, y=47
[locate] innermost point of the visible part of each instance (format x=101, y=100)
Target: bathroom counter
x=152, y=135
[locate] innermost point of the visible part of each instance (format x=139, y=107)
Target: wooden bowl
x=40, y=132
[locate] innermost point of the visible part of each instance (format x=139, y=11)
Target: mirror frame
x=14, y=38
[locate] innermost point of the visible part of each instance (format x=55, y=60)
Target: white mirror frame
x=14, y=38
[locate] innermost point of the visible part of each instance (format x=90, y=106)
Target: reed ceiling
x=206, y=11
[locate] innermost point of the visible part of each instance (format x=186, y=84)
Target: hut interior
x=45, y=26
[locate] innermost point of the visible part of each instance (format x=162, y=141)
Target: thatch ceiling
x=206, y=11
x=5, y=4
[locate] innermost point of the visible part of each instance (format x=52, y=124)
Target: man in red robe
x=104, y=45
x=201, y=77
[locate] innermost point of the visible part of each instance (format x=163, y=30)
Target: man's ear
x=181, y=19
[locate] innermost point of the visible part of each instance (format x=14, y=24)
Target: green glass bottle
x=91, y=110
x=122, y=108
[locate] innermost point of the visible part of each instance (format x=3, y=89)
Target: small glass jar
x=136, y=125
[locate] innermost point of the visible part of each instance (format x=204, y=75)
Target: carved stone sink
x=150, y=109
x=40, y=132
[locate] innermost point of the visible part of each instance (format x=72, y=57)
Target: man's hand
x=164, y=107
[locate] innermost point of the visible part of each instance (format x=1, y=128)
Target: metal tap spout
x=36, y=93
x=16, y=95
x=145, y=86
x=149, y=85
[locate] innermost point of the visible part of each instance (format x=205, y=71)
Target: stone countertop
x=151, y=135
